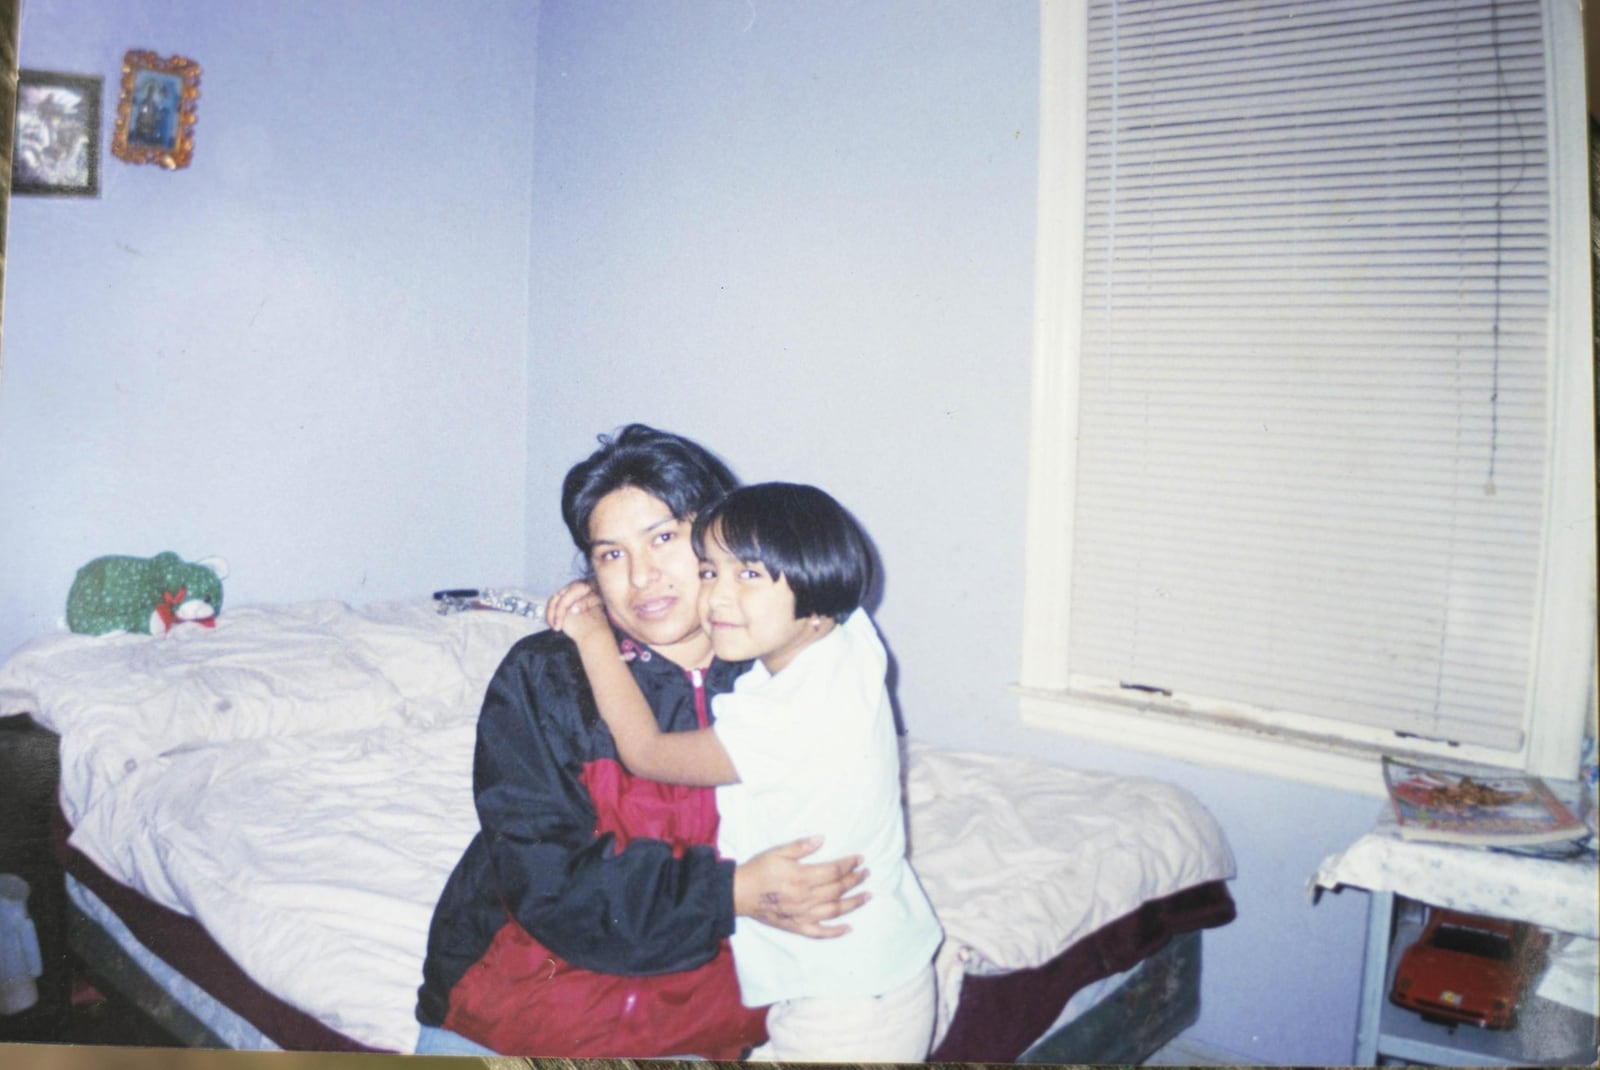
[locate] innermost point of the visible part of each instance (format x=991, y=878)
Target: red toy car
x=1469, y=968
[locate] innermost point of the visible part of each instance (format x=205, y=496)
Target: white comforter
x=299, y=780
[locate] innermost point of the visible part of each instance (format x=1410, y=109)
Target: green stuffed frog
x=145, y=595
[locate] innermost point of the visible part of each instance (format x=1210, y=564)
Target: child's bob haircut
x=800, y=534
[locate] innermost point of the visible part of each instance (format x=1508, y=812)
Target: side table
x=1558, y=895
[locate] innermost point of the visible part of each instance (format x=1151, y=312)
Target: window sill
x=1208, y=739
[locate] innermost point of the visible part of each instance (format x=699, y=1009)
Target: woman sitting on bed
x=590, y=915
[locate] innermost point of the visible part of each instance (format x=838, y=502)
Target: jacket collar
x=719, y=674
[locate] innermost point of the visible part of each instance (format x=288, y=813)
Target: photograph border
x=182, y=148
x=91, y=87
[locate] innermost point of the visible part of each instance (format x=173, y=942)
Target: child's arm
x=694, y=758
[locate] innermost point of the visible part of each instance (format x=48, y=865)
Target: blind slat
x=1313, y=359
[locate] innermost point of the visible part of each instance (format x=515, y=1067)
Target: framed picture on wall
x=156, y=110
x=56, y=145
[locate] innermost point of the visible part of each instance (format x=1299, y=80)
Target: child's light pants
x=896, y=1027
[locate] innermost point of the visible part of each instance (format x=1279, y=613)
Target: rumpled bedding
x=298, y=779
x=304, y=669
x=1022, y=859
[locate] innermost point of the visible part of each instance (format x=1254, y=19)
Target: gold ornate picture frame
x=156, y=111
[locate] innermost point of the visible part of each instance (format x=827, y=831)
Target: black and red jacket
x=576, y=858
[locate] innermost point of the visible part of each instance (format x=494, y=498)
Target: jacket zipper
x=699, y=682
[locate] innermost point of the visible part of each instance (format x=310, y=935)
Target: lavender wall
x=803, y=233
x=305, y=352
x=354, y=347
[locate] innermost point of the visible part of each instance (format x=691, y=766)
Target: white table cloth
x=1557, y=895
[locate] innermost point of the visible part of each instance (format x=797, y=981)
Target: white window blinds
x=1313, y=366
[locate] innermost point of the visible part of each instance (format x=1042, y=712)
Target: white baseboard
x=1184, y=1051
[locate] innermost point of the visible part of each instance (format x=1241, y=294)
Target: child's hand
x=557, y=606
x=577, y=611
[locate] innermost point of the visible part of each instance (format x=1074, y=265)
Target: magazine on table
x=1485, y=807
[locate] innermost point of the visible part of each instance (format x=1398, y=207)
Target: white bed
x=298, y=781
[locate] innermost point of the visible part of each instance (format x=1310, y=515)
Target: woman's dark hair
x=799, y=533
x=685, y=475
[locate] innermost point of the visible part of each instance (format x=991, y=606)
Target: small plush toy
x=145, y=594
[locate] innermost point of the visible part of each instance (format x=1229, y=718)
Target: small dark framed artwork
x=156, y=110
x=57, y=134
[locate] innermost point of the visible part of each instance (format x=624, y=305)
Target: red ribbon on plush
x=168, y=610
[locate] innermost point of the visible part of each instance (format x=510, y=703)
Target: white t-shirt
x=816, y=753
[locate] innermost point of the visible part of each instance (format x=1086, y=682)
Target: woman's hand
x=577, y=611
x=777, y=889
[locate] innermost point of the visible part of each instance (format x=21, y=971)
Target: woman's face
x=647, y=574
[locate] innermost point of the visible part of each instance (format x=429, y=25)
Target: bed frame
x=1012, y=1017
x=1151, y=1005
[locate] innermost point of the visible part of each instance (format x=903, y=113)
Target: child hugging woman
x=804, y=744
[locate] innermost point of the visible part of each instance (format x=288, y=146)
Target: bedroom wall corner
x=306, y=351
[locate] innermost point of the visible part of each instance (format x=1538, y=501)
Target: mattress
x=294, y=786
x=179, y=1004
x=1094, y=1015
x=1021, y=1014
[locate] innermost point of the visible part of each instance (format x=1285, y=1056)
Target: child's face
x=747, y=613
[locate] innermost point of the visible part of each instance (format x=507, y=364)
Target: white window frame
x=1562, y=686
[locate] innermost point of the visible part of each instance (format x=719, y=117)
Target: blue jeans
x=435, y=1041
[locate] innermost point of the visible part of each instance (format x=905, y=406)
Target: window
x=1312, y=458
